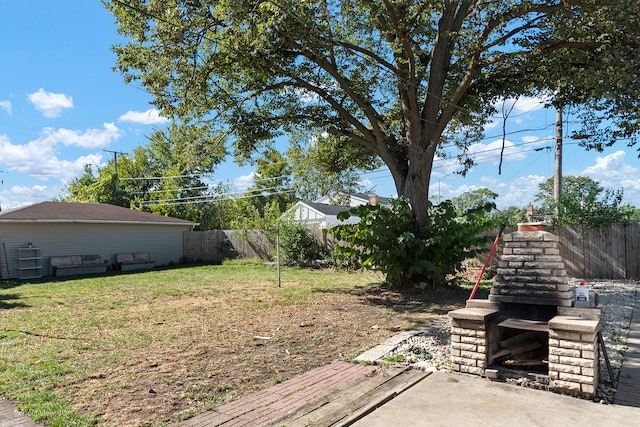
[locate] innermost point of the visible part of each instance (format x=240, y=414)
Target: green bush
x=297, y=245
x=384, y=239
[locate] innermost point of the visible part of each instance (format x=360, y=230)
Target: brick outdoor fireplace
x=530, y=326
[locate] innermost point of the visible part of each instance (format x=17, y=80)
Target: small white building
x=48, y=229
x=323, y=213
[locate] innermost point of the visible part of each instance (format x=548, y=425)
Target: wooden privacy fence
x=610, y=252
x=211, y=247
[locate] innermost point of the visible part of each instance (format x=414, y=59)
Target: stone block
x=534, y=272
x=472, y=370
x=589, y=337
x=522, y=244
x=464, y=348
x=586, y=354
x=582, y=379
x=589, y=372
x=564, y=335
x=587, y=313
x=588, y=389
x=472, y=340
x=576, y=361
x=472, y=355
x=481, y=303
x=542, y=286
x=455, y=352
x=565, y=352
x=492, y=374
x=565, y=369
x=528, y=252
x=551, y=258
x=576, y=345
x=552, y=251
x=518, y=258
x=547, y=265
x=477, y=314
x=527, y=236
x=574, y=324
x=566, y=386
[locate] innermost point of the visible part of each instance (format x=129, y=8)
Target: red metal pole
x=486, y=263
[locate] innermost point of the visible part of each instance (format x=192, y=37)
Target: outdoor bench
x=134, y=261
x=77, y=264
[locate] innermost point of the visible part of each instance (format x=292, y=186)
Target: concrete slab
x=446, y=399
x=10, y=416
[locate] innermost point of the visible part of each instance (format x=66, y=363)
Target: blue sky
x=61, y=106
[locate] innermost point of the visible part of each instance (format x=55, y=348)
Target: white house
x=51, y=229
x=323, y=213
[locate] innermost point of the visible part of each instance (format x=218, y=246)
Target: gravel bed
x=431, y=350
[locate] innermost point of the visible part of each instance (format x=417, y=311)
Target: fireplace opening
x=520, y=352
x=533, y=312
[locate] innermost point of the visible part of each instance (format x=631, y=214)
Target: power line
x=211, y=198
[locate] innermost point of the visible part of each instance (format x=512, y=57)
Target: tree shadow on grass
x=414, y=301
x=7, y=302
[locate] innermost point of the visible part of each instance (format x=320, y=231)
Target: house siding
x=162, y=241
x=303, y=213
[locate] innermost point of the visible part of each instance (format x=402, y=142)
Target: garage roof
x=85, y=212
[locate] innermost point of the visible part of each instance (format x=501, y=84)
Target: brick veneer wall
x=573, y=351
x=531, y=271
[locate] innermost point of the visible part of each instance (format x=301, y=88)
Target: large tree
x=398, y=80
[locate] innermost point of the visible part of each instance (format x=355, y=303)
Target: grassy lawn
x=155, y=347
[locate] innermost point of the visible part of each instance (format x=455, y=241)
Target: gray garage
x=31, y=235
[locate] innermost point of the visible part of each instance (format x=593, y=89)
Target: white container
x=582, y=292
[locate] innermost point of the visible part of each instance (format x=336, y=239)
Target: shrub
x=384, y=239
x=298, y=246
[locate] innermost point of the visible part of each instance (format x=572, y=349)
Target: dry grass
x=155, y=347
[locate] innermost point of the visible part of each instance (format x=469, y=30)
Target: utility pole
x=557, y=170
x=115, y=165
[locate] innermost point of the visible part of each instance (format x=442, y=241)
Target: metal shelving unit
x=29, y=263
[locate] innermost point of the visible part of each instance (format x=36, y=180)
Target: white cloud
x=244, y=182
x=519, y=192
x=149, y=117
x=521, y=108
x=522, y=105
x=22, y=195
x=491, y=152
x=39, y=158
x=91, y=138
x=51, y=104
x=6, y=106
x=613, y=173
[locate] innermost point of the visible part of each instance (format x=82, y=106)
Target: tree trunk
x=415, y=187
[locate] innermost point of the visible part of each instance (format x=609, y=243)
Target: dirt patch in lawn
x=224, y=352
x=162, y=347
